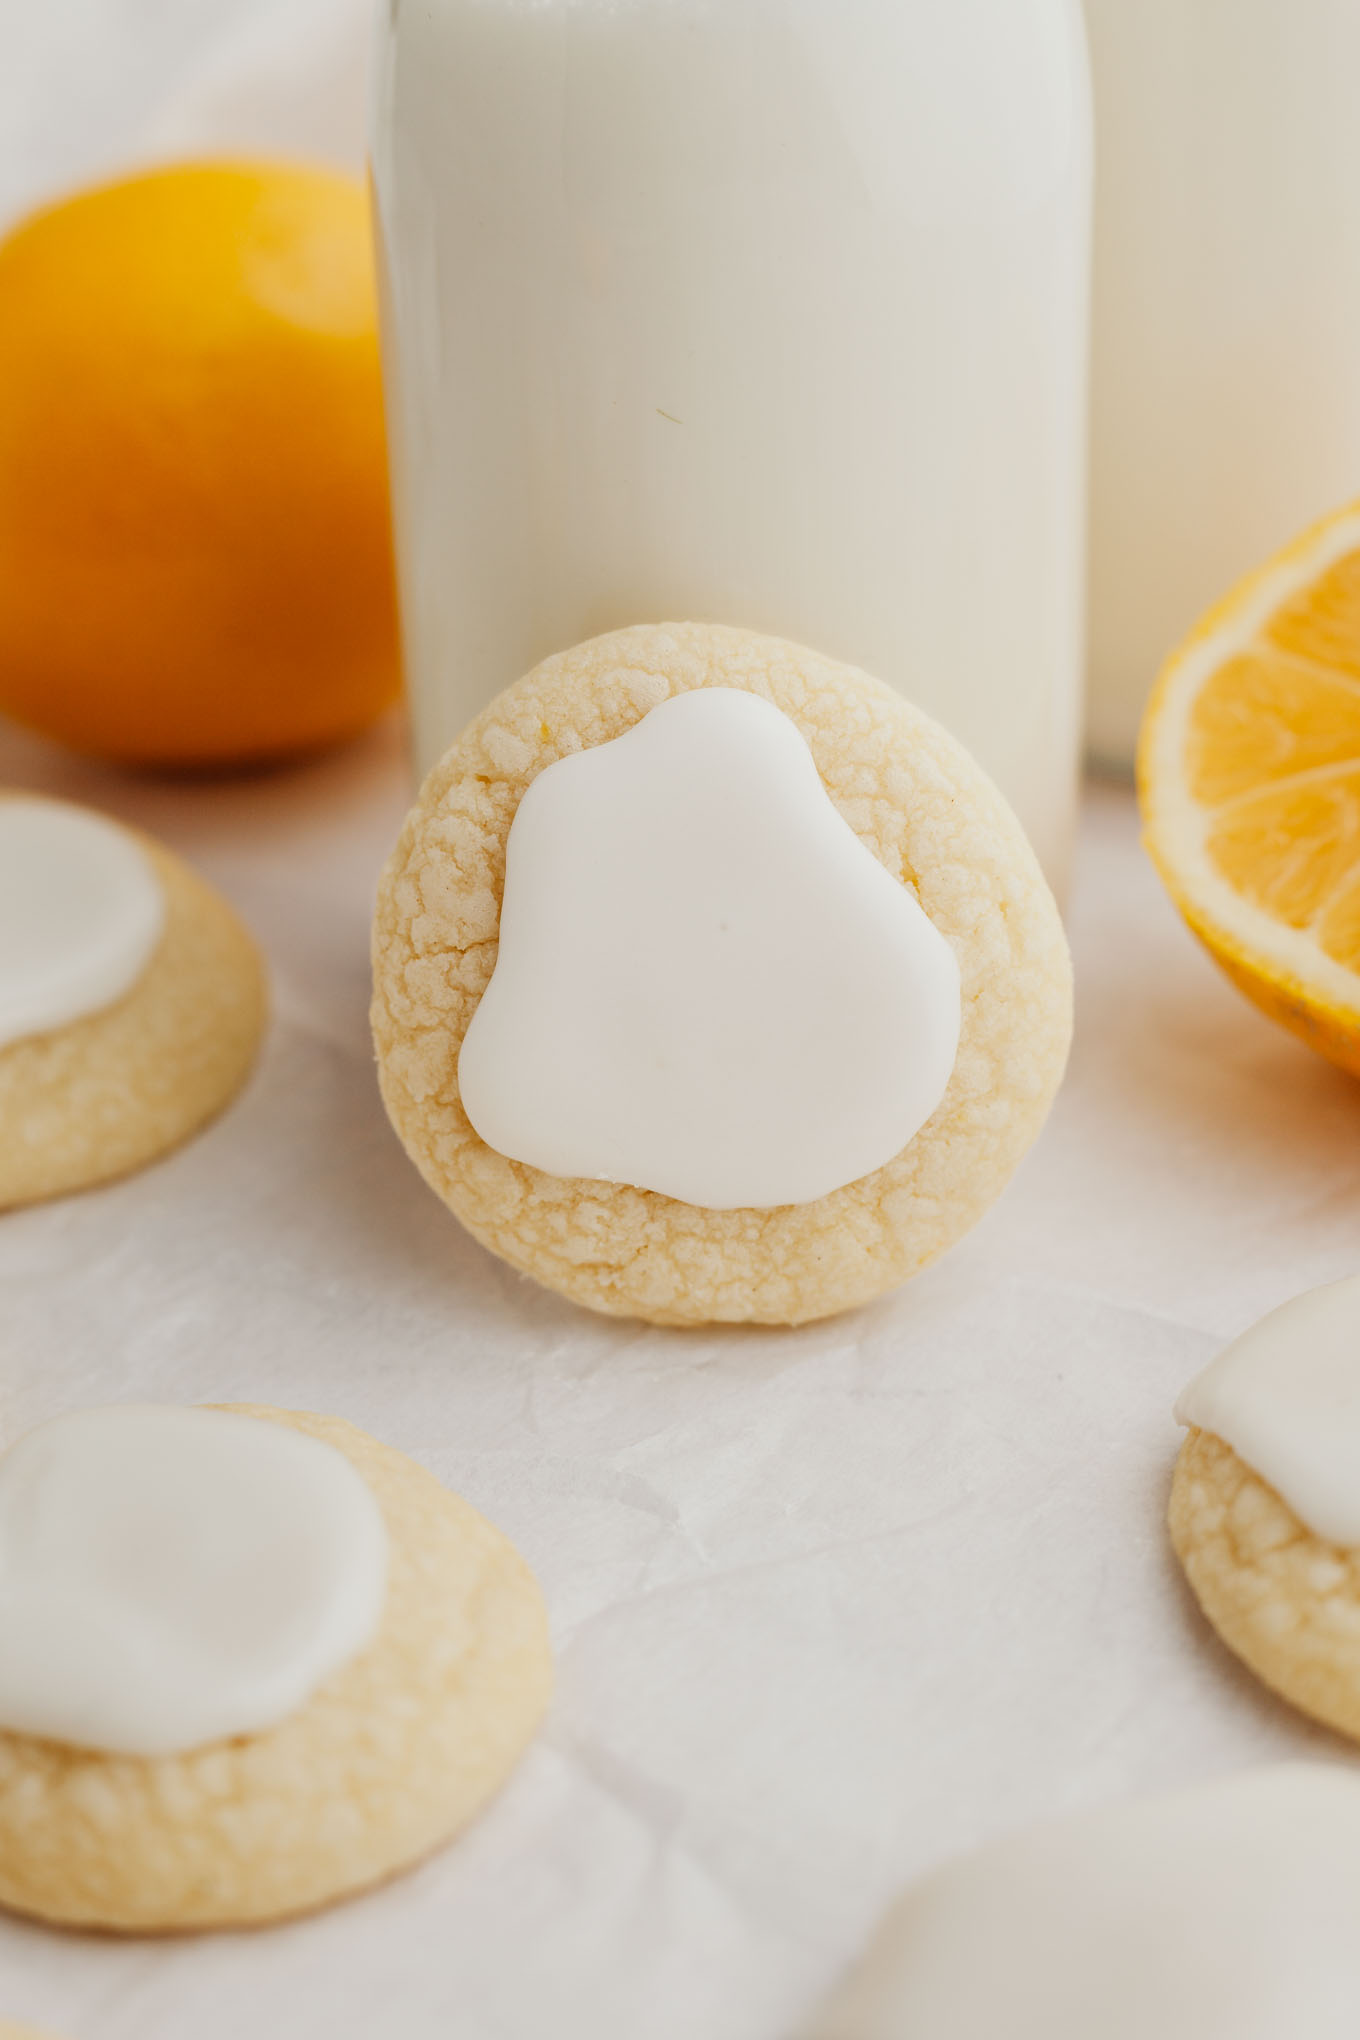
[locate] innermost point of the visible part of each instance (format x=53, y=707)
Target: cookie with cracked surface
x=391, y=1754
x=112, y=1058
x=1282, y=1598
x=929, y=816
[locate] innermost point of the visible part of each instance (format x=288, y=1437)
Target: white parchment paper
x=829, y=1604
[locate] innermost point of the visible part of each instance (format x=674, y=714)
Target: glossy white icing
x=171, y=1576
x=706, y=985
x=1222, y=1913
x=1286, y=1397
x=81, y=911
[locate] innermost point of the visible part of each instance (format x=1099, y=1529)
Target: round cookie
x=929, y=815
x=1283, y=1599
x=1222, y=1911
x=109, y=1092
x=386, y=1761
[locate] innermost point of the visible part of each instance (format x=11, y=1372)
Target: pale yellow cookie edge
x=386, y=1763
x=1282, y=1599
x=631, y=1253
x=107, y=1095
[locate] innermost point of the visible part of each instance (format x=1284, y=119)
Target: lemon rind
x=1177, y=828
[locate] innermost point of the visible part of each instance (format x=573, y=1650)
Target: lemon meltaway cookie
x=1224, y=1912
x=713, y=981
x=1265, y=1502
x=131, y=999
x=254, y=1661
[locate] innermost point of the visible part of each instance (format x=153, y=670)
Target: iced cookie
x=254, y=1661
x=1265, y=1503
x=713, y=981
x=131, y=1000
x=1226, y=1912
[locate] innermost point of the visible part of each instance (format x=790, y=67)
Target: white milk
x=1227, y=323
x=764, y=312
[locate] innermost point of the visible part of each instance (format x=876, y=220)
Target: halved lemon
x=1249, y=775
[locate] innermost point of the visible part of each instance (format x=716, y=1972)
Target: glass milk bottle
x=1227, y=311
x=764, y=312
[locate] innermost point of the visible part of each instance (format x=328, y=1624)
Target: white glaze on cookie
x=81, y=911
x=172, y=1576
x=706, y=985
x=1286, y=1397
x=1223, y=1913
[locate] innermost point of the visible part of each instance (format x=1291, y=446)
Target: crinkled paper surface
x=830, y=1604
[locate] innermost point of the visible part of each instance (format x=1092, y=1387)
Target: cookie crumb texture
x=386, y=1761
x=106, y=1094
x=928, y=813
x=1286, y=1602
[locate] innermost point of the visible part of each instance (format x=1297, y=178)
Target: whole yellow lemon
x=195, y=540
